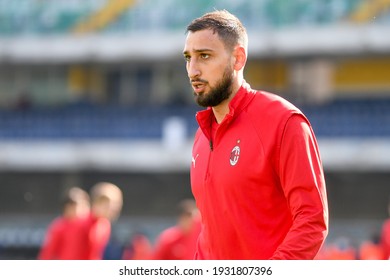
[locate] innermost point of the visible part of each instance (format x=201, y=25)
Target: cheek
x=215, y=74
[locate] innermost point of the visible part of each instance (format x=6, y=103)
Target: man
x=256, y=172
x=179, y=241
x=385, y=235
x=62, y=240
x=106, y=206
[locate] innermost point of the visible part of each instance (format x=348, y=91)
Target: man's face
x=209, y=67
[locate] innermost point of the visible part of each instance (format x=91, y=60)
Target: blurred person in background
x=256, y=172
x=339, y=249
x=106, y=206
x=179, y=241
x=139, y=247
x=385, y=234
x=372, y=249
x=62, y=239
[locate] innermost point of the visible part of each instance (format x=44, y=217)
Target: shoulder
x=57, y=223
x=386, y=225
x=169, y=234
x=272, y=103
x=270, y=110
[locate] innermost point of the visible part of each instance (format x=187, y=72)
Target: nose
x=193, y=70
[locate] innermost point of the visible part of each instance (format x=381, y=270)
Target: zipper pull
x=211, y=145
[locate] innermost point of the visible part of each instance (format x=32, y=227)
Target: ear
x=239, y=54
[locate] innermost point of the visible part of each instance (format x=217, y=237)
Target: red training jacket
x=259, y=183
x=385, y=238
x=62, y=240
x=174, y=244
x=98, y=231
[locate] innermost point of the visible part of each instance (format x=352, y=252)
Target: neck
x=222, y=109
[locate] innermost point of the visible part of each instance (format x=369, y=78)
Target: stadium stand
x=48, y=17
x=369, y=10
x=362, y=118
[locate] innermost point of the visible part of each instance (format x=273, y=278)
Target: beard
x=220, y=92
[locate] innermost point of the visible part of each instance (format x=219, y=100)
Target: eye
x=187, y=58
x=204, y=55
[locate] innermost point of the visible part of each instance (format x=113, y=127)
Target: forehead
x=202, y=40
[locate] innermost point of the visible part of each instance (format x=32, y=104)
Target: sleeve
x=98, y=237
x=385, y=238
x=161, y=248
x=303, y=183
x=52, y=243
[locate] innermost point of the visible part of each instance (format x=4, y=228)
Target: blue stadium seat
x=340, y=118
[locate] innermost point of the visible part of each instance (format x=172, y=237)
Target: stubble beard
x=220, y=92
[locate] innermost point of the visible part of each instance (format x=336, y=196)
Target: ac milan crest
x=234, y=155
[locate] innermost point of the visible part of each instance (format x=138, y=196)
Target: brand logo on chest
x=235, y=154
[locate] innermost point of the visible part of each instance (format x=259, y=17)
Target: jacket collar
x=242, y=98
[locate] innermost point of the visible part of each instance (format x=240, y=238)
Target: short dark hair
x=74, y=195
x=186, y=207
x=228, y=27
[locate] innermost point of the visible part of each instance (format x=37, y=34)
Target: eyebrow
x=198, y=51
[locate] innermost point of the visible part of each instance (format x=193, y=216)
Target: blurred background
x=96, y=90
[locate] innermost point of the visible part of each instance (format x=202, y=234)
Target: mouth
x=198, y=87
